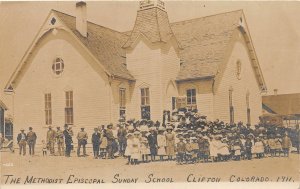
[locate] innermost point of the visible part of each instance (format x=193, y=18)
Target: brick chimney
x=81, y=22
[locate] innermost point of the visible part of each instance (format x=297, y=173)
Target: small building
x=83, y=74
x=283, y=106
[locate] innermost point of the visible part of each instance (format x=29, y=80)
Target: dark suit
x=68, y=142
x=152, y=140
x=96, y=143
x=31, y=140
x=122, y=140
x=110, y=140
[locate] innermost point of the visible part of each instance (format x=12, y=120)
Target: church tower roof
x=152, y=22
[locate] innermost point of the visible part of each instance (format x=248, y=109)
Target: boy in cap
x=22, y=138
x=248, y=148
x=181, y=148
x=122, y=139
x=96, y=142
x=278, y=145
x=189, y=149
x=195, y=150
x=110, y=141
x=31, y=140
x=82, y=141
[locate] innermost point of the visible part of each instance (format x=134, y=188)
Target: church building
x=83, y=74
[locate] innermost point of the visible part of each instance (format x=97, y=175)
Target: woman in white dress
x=161, y=143
x=258, y=148
x=224, y=149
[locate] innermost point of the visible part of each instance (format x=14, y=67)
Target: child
x=128, y=148
x=103, y=146
x=272, y=145
x=181, y=148
x=237, y=150
x=248, y=149
x=135, y=150
x=206, y=152
x=189, y=149
x=44, y=144
x=258, y=148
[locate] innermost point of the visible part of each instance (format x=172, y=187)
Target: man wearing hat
x=22, y=138
x=68, y=141
x=122, y=139
x=31, y=140
x=152, y=141
x=82, y=141
x=286, y=144
x=96, y=142
x=110, y=140
x=51, y=140
x=60, y=141
x=170, y=143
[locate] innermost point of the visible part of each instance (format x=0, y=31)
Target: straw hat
x=161, y=128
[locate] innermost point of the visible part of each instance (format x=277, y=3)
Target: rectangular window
x=48, y=109
x=145, y=103
x=231, y=108
x=69, y=117
x=173, y=103
x=191, y=99
x=122, y=101
x=248, y=109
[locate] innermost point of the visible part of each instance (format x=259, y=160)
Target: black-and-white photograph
x=150, y=91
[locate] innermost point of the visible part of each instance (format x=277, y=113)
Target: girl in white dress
x=128, y=149
x=135, y=151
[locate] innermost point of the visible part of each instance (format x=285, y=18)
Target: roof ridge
x=192, y=19
x=89, y=22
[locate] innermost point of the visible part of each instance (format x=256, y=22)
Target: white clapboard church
x=83, y=74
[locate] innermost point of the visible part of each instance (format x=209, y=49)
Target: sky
x=274, y=28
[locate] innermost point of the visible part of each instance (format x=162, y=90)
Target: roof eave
x=195, y=78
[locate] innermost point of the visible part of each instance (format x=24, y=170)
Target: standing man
x=122, y=139
x=82, y=141
x=31, y=140
x=68, y=141
x=51, y=140
x=96, y=142
x=286, y=144
x=110, y=139
x=22, y=138
x=60, y=141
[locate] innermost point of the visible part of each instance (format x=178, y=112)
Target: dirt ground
x=57, y=169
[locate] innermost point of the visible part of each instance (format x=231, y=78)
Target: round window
x=58, y=66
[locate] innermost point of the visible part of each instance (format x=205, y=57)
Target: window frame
x=69, y=108
x=58, y=66
x=48, y=108
x=122, y=101
x=145, y=102
x=191, y=99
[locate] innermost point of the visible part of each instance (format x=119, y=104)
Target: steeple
x=146, y=4
x=151, y=22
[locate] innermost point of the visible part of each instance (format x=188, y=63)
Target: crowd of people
x=184, y=136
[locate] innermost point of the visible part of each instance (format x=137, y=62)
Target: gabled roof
x=153, y=23
x=283, y=104
x=104, y=43
x=204, y=41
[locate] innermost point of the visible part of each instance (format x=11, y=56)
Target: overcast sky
x=274, y=28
